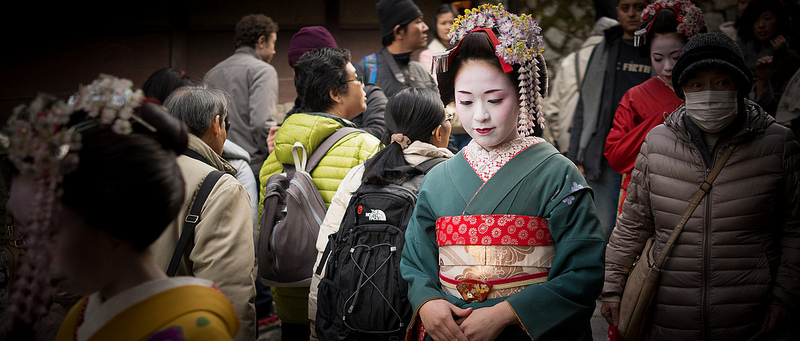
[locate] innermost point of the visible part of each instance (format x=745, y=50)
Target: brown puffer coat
x=739, y=251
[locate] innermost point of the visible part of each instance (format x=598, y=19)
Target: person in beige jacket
x=222, y=249
x=562, y=98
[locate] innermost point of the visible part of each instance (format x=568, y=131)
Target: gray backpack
x=289, y=224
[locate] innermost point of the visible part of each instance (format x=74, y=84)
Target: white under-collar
x=486, y=162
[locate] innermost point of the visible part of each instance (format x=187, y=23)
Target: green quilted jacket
x=311, y=129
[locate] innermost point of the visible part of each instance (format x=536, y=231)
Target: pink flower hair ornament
x=42, y=140
x=518, y=41
x=690, y=19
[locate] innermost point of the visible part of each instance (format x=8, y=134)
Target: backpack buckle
x=192, y=218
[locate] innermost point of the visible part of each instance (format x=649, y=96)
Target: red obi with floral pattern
x=492, y=230
x=504, y=253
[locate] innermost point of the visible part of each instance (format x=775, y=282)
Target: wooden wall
x=54, y=47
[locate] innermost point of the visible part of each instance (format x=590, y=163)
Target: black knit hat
x=396, y=12
x=711, y=50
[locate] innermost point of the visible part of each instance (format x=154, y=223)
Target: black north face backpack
x=362, y=296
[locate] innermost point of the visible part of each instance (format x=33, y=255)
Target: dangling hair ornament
x=517, y=41
x=41, y=143
x=690, y=19
x=640, y=36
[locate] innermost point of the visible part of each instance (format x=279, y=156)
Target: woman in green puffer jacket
x=332, y=93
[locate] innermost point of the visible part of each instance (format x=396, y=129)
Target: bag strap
x=427, y=165
x=705, y=187
x=578, y=78
x=326, y=145
x=372, y=68
x=400, y=74
x=192, y=219
x=194, y=155
x=324, y=258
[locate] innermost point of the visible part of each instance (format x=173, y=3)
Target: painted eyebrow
x=486, y=92
x=670, y=53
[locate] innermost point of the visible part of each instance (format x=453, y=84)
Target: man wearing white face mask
x=734, y=270
x=709, y=109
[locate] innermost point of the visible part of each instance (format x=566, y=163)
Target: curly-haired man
x=252, y=84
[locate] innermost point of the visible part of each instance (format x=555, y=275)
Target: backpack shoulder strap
x=428, y=164
x=326, y=145
x=195, y=155
x=372, y=69
x=578, y=77
x=192, y=219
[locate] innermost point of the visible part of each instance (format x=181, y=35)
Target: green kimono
x=538, y=182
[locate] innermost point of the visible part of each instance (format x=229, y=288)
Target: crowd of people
x=144, y=209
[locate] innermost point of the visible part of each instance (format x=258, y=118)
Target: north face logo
x=376, y=215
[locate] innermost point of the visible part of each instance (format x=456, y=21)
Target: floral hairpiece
x=39, y=140
x=519, y=35
x=113, y=101
x=518, y=41
x=690, y=18
x=42, y=142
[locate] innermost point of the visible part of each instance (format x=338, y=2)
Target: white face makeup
x=664, y=52
x=487, y=104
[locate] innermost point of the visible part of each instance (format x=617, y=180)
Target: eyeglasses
x=357, y=79
x=227, y=124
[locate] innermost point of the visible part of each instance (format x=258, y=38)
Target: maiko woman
x=504, y=242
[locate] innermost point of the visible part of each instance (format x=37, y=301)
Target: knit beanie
x=709, y=50
x=396, y=12
x=307, y=39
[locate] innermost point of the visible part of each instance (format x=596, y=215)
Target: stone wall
x=567, y=23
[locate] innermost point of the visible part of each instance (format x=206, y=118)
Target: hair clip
x=640, y=37
x=441, y=61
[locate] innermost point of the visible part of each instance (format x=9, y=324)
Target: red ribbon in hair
x=506, y=66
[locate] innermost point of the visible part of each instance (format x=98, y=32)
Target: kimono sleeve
x=620, y=148
x=563, y=305
x=419, y=264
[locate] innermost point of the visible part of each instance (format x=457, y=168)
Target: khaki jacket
x=222, y=250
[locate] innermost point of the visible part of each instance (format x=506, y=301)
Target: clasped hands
x=445, y=321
